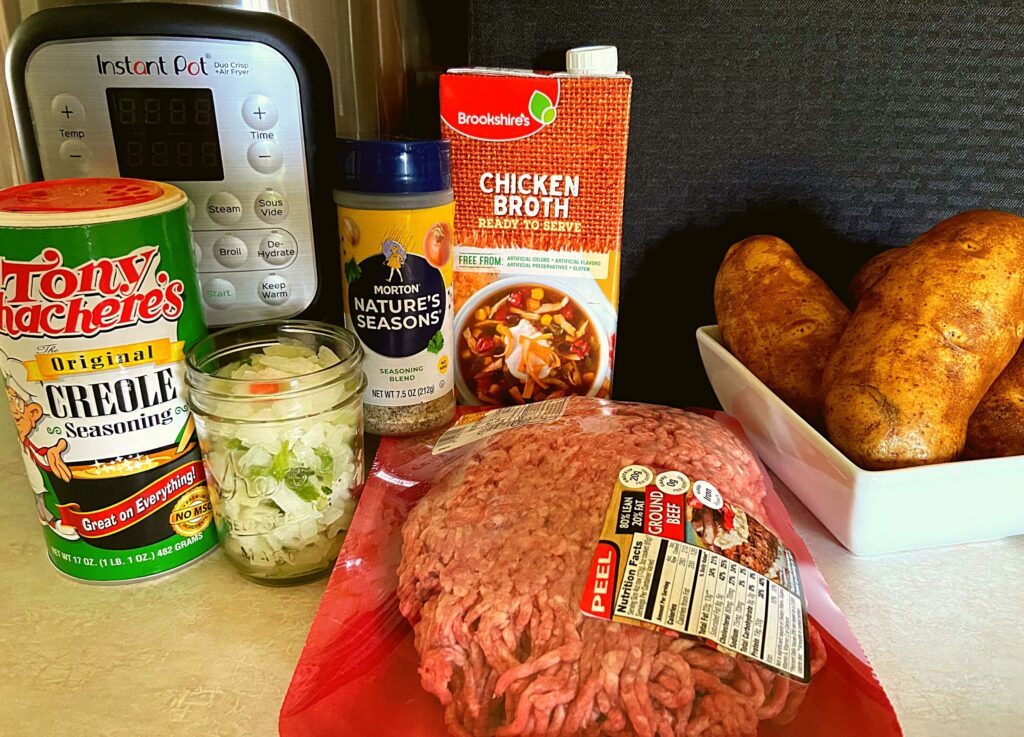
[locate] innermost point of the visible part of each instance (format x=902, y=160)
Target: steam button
x=224, y=208
x=259, y=112
x=271, y=206
x=274, y=290
x=219, y=293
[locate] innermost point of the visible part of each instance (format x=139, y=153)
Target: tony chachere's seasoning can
x=395, y=210
x=98, y=303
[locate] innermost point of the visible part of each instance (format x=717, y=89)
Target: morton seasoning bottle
x=98, y=303
x=395, y=211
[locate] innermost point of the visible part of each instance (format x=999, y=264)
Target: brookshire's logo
x=493, y=108
x=43, y=297
x=178, y=66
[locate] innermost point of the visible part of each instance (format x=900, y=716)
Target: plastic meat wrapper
x=359, y=673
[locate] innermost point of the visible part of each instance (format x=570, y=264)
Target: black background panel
x=842, y=127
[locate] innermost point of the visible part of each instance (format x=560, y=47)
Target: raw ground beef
x=494, y=560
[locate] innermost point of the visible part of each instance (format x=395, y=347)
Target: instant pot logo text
x=178, y=66
x=44, y=297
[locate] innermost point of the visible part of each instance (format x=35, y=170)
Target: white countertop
x=204, y=652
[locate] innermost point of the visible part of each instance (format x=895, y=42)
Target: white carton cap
x=592, y=60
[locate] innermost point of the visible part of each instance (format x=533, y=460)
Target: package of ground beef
x=579, y=567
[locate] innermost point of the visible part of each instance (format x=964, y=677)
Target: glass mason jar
x=278, y=409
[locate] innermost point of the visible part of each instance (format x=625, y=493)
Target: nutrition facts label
x=675, y=554
x=701, y=593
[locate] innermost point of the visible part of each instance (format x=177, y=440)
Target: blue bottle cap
x=392, y=167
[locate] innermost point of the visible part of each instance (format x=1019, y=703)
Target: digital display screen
x=168, y=134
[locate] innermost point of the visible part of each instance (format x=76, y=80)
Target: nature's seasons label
x=94, y=323
x=398, y=300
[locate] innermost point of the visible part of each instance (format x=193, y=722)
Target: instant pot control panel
x=224, y=119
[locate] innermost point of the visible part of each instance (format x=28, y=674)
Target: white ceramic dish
x=868, y=511
x=488, y=292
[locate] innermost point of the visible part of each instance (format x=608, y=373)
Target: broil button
x=274, y=290
x=271, y=206
x=230, y=251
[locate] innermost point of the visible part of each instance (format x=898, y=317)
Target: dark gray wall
x=842, y=127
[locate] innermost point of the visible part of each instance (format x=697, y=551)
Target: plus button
x=67, y=112
x=259, y=113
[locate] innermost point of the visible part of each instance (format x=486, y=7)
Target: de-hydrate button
x=224, y=208
x=219, y=293
x=271, y=206
x=277, y=248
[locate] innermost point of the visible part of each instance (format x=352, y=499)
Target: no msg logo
x=397, y=305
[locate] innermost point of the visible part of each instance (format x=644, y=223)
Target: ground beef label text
x=674, y=555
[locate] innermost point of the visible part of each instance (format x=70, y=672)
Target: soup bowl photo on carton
x=488, y=293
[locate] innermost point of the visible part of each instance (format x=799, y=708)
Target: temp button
x=76, y=154
x=271, y=206
x=230, y=251
x=274, y=290
x=219, y=293
x=67, y=108
x=224, y=208
x=278, y=248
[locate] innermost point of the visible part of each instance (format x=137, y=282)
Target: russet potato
x=779, y=319
x=996, y=427
x=926, y=342
x=871, y=273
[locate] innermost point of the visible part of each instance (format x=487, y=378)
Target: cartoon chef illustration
x=395, y=258
x=27, y=415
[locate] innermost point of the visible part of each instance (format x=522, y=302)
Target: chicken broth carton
x=538, y=172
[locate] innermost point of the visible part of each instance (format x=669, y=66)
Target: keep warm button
x=271, y=206
x=274, y=290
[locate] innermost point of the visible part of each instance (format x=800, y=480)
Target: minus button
x=265, y=156
x=76, y=153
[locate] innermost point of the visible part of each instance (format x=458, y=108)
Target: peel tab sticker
x=470, y=428
x=676, y=558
